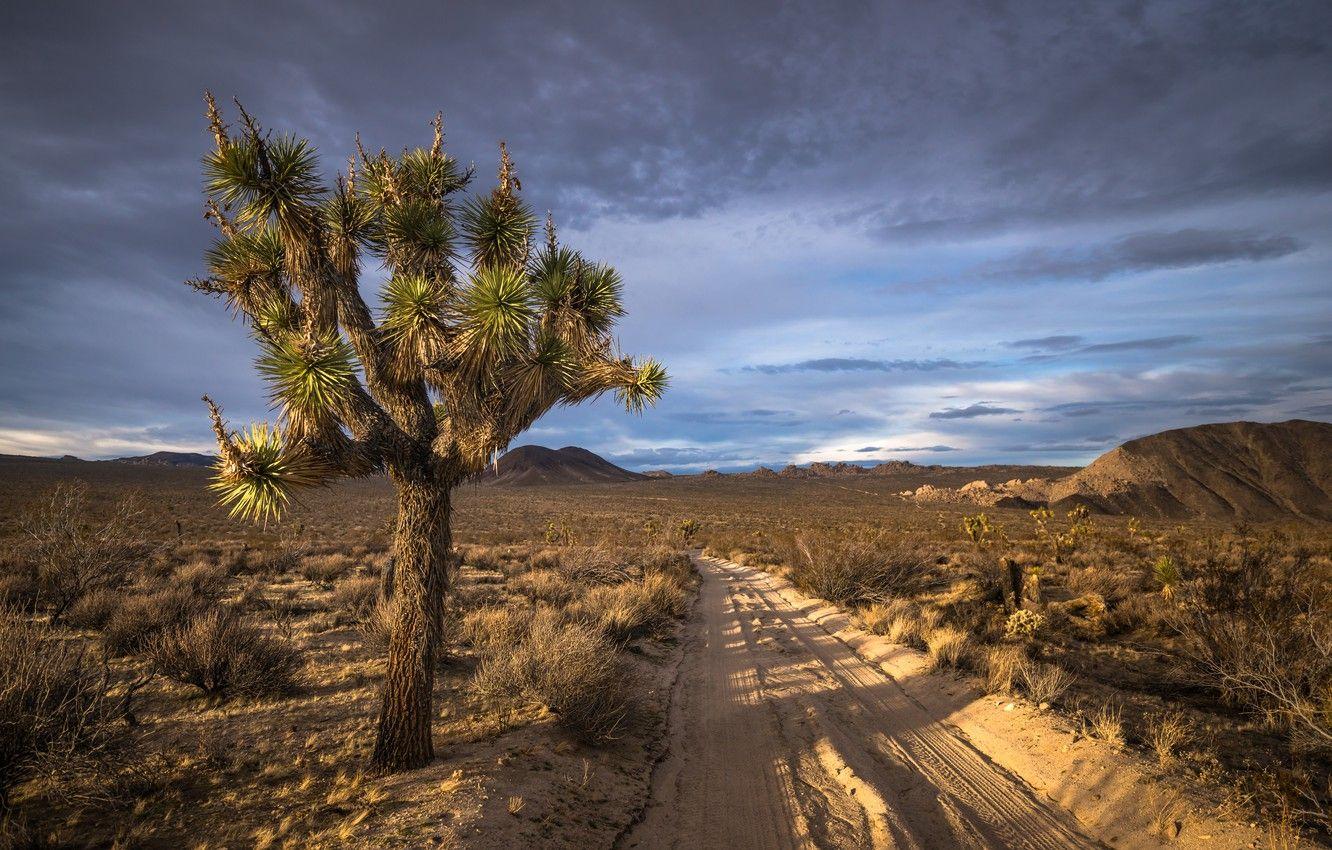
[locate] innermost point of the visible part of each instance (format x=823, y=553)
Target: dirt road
x=782, y=737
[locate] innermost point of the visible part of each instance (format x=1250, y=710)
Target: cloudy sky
x=947, y=232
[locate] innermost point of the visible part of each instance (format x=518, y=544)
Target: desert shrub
x=222, y=654
x=94, y=609
x=280, y=559
x=140, y=618
x=483, y=558
x=54, y=713
x=203, y=578
x=356, y=595
x=493, y=627
x=544, y=559
x=634, y=609
x=949, y=648
x=377, y=623
x=1003, y=666
x=546, y=586
x=854, y=572
x=1257, y=628
x=325, y=569
x=592, y=565
x=75, y=551
x=672, y=562
x=568, y=667
x=1045, y=683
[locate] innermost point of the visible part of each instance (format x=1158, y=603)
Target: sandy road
x=782, y=737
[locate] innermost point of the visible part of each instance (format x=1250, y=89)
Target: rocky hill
x=534, y=465
x=1235, y=470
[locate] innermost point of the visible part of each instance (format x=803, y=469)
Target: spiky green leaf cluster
x=307, y=378
x=646, y=386
x=262, y=473
x=498, y=229
x=264, y=178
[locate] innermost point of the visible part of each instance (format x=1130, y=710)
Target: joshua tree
x=477, y=335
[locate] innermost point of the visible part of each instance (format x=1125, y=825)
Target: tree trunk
x=421, y=544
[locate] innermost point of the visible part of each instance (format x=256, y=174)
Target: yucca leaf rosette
x=307, y=378
x=647, y=382
x=259, y=471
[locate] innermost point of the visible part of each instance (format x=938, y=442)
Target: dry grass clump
x=203, y=578
x=568, y=667
x=54, y=713
x=1167, y=732
x=18, y=585
x=377, y=623
x=140, y=618
x=1046, y=683
x=356, y=595
x=592, y=565
x=949, y=648
x=223, y=654
x=1105, y=724
x=493, y=626
x=634, y=609
x=1003, y=666
x=546, y=586
x=853, y=572
x=94, y=609
x=325, y=569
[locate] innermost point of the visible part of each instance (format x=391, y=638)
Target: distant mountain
x=534, y=465
x=169, y=459
x=1234, y=470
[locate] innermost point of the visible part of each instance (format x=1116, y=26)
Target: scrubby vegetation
x=247, y=659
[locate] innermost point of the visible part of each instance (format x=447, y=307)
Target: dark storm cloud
x=971, y=412
x=857, y=364
x=1061, y=342
x=1143, y=252
x=982, y=125
x=1156, y=343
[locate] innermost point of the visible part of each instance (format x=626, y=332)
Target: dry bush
x=569, y=668
x=325, y=569
x=1003, y=667
x=356, y=595
x=544, y=559
x=1167, y=732
x=853, y=572
x=949, y=648
x=1045, y=683
x=222, y=654
x=634, y=609
x=281, y=559
x=140, y=618
x=203, y=578
x=546, y=586
x=94, y=609
x=672, y=562
x=1257, y=628
x=489, y=629
x=592, y=565
x=483, y=558
x=76, y=552
x=54, y=713
x=377, y=623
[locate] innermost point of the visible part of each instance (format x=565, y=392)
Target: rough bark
x=421, y=544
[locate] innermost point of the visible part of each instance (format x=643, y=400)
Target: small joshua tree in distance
x=478, y=334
